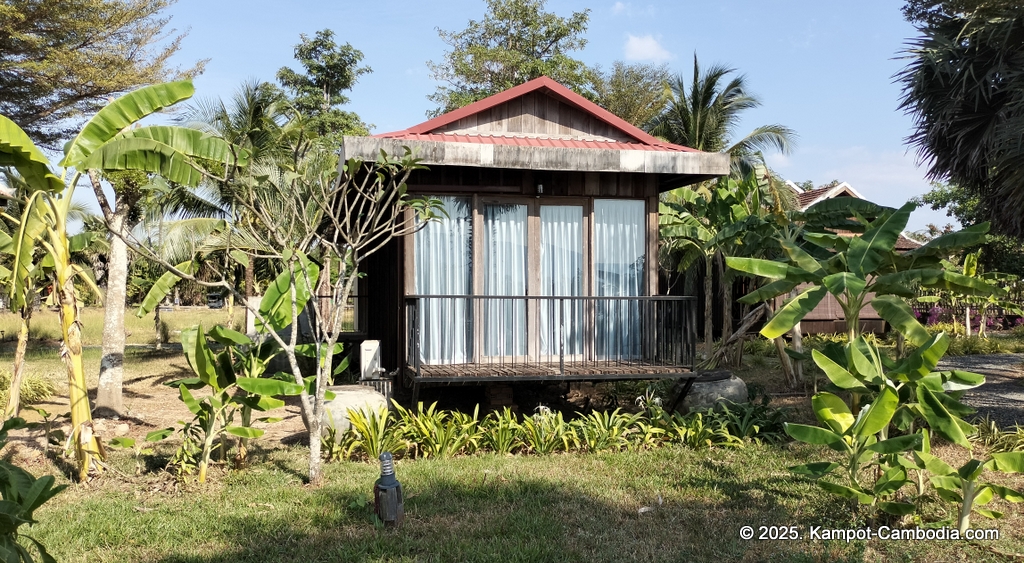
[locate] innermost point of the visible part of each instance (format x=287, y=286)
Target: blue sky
x=824, y=69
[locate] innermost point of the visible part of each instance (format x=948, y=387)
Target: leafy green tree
x=704, y=113
x=634, y=92
x=964, y=86
x=1001, y=253
x=516, y=42
x=62, y=60
x=106, y=143
x=329, y=70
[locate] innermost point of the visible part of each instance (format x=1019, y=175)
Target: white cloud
x=629, y=10
x=645, y=48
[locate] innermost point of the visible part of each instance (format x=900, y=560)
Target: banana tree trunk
x=250, y=291
x=87, y=446
x=726, y=300
x=157, y=321
x=109, y=400
x=709, y=343
x=14, y=396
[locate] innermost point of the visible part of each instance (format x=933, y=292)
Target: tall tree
x=516, y=42
x=62, y=60
x=316, y=93
x=964, y=86
x=1001, y=253
x=634, y=92
x=704, y=112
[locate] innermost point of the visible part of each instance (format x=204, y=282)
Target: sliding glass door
x=540, y=272
x=619, y=241
x=444, y=266
x=505, y=262
x=561, y=275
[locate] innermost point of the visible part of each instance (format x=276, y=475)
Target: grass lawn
x=556, y=508
x=45, y=325
x=563, y=507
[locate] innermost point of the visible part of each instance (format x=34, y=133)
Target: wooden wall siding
x=537, y=114
x=468, y=179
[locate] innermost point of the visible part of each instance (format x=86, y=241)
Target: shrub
x=35, y=388
x=500, y=431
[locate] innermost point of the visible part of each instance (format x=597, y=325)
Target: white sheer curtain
x=443, y=261
x=619, y=240
x=561, y=273
x=505, y=254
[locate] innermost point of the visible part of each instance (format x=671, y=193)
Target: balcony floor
x=594, y=371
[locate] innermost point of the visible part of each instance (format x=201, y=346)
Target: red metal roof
x=426, y=131
x=810, y=196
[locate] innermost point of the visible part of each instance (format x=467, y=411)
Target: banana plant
x=862, y=270
x=106, y=142
x=864, y=440
x=963, y=487
x=22, y=495
x=236, y=387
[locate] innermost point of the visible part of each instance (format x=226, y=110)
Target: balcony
x=475, y=338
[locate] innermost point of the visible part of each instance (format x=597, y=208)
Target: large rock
x=712, y=388
x=354, y=397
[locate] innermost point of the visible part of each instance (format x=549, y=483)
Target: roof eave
x=705, y=165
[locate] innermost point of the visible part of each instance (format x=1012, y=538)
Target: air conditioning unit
x=369, y=360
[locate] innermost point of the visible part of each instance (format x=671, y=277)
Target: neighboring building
x=546, y=266
x=827, y=317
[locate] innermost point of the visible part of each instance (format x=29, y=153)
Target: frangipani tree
x=105, y=143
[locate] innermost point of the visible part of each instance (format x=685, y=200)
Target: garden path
x=1002, y=395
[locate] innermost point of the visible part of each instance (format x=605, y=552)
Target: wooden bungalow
x=546, y=266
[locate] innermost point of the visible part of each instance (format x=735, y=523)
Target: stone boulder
x=354, y=397
x=711, y=388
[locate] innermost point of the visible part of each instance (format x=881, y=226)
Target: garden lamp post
x=387, y=493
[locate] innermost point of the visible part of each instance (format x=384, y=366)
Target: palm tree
x=964, y=86
x=259, y=119
x=704, y=113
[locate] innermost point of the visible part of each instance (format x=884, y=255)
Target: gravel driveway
x=1002, y=395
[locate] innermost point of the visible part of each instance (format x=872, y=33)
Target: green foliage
x=547, y=432
x=22, y=494
x=329, y=70
x=234, y=376
x=517, y=41
x=442, y=434
x=634, y=92
x=703, y=113
x=374, y=432
x=63, y=61
x=754, y=421
x=500, y=431
x=35, y=388
x=967, y=125
x=602, y=431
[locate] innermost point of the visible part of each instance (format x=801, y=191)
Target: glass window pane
x=444, y=266
x=619, y=243
x=561, y=267
x=505, y=258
